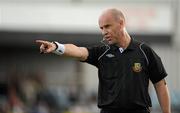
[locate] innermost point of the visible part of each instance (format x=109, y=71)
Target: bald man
x=125, y=67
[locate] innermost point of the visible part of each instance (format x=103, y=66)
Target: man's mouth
x=108, y=38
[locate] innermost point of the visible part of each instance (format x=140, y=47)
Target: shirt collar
x=131, y=46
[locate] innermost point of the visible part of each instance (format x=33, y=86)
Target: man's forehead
x=105, y=17
x=106, y=14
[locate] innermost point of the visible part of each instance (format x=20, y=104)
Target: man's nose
x=104, y=32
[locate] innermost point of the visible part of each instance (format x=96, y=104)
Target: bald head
x=114, y=13
x=112, y=25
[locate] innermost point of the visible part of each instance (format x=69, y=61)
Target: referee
x=125, y=67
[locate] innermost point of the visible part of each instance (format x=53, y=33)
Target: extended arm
x=78, y=52
x=163, y=96
x=70, y=50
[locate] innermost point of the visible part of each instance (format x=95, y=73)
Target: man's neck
x=125, y=41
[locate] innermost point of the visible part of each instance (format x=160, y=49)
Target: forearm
x=72, y=50
x=163, y=96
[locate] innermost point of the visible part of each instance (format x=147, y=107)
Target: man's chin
x=110, y=42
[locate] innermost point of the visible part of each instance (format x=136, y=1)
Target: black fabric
x=124, y=77
x=156, y=68
x=124, y=111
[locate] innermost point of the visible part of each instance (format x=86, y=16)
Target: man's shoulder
x=97, y=47
x=142, y=44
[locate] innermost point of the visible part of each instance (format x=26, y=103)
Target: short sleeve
x=156, y=69
x=93, y=55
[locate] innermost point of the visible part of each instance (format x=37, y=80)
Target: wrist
x=60, y=48
x=56, y=46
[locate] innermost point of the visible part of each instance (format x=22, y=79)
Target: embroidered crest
x=137, y=67
x=110, y=55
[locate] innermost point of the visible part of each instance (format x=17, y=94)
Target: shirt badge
x=110, y=55
x=137, y=67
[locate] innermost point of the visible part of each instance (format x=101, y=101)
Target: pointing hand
x=46, y=46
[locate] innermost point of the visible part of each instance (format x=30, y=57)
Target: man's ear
x=122, y=24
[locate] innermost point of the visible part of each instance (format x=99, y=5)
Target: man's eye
x=107, y=26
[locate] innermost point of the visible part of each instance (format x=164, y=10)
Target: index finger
x=41, y=42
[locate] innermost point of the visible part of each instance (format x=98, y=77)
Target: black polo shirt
x=124, y=77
